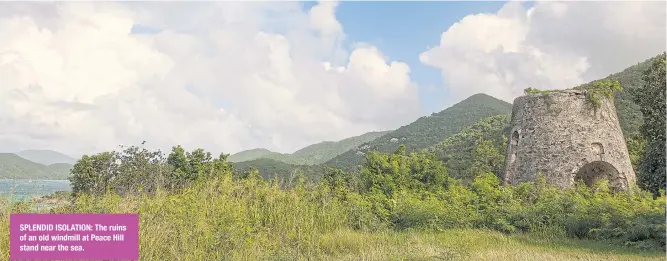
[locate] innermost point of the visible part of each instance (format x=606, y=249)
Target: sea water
x=27, y=189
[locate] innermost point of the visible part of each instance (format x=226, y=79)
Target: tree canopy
x=651, y=100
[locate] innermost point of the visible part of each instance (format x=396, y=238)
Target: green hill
x=14, y=167
x=423, y=133
x=311, y=155
x=254, y=154
x=60, y=170
x=428, y=130
x=324, y=151
x=46, y=157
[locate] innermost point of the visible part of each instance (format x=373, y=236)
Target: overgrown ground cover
x=229, y=218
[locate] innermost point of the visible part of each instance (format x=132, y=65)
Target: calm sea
x=25, y=189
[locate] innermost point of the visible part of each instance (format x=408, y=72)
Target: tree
x=338, y=181
x=131, y=170
x=651, y=100
x=140, y=170
x=136, y=169
x=93, y=174
x=179, y=161
x=389, y=173
x=636, y=147
x=190, y=166
x=487, y=158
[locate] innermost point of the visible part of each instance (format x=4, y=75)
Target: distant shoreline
x=25, y=189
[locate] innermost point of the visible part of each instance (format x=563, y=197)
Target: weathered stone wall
x=560, y=135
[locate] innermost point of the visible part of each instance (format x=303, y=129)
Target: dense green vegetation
x=251, y=219
x=270, y=169
x=460, y=150
x=14, y=167
x=310, y=155
x=651, y=101
x=603, y=89
x=456, y=152
x=426, y=131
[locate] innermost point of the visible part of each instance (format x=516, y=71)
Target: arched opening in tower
x=596, y=170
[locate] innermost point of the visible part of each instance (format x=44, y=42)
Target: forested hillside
x=325, y=151
x=428, y=130
x=254, y=154
x=459, y=151
x=310, y=155
x=14, y=167
x=629, y=114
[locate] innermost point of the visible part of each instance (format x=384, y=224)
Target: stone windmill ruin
x=560, y=135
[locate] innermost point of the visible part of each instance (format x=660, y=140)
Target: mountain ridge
x=427, y=130
x=45, y=157
x=13, y=166
x=310, y=155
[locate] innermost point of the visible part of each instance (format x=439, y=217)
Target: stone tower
x=562, y=136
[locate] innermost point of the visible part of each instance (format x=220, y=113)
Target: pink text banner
x=74, y=237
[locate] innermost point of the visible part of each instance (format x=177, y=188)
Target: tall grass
x=251, y=219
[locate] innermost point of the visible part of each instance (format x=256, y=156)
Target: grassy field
x=229, y=220
x=467, y=244
x=456, y=244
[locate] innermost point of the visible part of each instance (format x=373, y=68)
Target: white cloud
x=222, y=76
x=551, y=45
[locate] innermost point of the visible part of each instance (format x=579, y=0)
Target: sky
x=85, y=77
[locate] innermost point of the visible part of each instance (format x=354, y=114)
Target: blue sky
x=402, y=30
